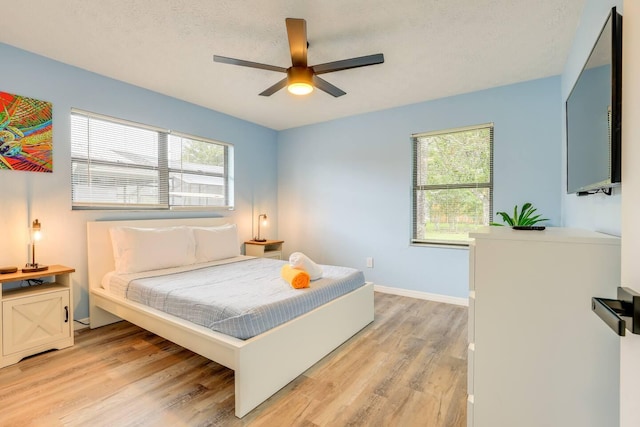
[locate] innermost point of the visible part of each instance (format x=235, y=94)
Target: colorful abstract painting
x=25, y=133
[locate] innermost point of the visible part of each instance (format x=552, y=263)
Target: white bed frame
x=262, y=364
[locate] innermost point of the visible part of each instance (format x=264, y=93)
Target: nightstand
x=35, y=318
x=268, y=249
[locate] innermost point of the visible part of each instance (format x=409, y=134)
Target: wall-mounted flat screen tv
x=593, y=112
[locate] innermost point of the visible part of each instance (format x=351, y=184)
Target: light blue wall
x=28, y=195
x=596, y=212
x=345, y=185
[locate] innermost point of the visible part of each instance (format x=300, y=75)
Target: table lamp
x=36, y=235
x=264, y=222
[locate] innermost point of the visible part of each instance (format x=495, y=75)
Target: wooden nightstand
x=35, y=318
x=268, y=249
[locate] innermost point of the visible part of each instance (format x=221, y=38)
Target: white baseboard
x=78, y=323
x=421, y=295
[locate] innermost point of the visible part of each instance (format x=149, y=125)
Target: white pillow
x=143, y=249
x=214, y=243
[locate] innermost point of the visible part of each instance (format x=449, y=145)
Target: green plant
x=524, y=218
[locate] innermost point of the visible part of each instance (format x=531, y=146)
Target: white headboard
x=100, y=251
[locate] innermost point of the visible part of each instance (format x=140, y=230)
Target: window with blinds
x=452, y=184
x=118, y=164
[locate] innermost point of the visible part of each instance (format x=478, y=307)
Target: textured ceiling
x=432, y=48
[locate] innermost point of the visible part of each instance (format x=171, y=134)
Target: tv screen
x=593, y=116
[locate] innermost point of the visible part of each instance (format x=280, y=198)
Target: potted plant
x=525, y=220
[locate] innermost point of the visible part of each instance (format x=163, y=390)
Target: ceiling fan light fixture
x=300, y=80
x=300, y=88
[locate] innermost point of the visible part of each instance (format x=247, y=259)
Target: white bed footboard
x=271, y=360
x=263, y=364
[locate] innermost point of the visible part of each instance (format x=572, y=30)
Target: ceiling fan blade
x=297, y=32
x=346, y=64
x=273, y=89
x=327, y=87
x=244, y=63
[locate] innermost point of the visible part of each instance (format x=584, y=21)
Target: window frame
x=163, y=169
x=415, y=187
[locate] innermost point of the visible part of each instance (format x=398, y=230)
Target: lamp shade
x=36, y=231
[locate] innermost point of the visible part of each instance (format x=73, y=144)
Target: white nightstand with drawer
x=35, y=318
x=266, y=249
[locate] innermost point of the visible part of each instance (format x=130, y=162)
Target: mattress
x=242, y=297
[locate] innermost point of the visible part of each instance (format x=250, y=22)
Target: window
x=123, y=165
x=452, y=184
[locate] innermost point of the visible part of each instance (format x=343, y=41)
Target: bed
x=262, y=364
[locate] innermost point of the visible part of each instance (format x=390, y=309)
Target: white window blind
x=452, y=184
x=118, y=164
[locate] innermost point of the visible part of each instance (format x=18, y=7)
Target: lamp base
x=255, y=239
x=32, y=268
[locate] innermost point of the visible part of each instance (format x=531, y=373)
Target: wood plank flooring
x=408, y=368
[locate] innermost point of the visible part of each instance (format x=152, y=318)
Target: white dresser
x=538, y=355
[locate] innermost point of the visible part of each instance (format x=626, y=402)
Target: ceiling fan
x=302, y=78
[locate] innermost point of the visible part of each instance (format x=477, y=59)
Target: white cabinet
x=538, y=356
x=35, y=318
x=266, y=249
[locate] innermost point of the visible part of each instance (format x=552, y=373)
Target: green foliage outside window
x=202, y=152
x=452, y=184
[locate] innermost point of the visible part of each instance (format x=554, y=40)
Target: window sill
x=159, y=209
x=441, y=245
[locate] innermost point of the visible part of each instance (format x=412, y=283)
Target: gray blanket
x=243, y=298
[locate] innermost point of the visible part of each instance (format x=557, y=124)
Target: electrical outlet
x=370, y=262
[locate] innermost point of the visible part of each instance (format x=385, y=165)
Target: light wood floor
x=408, y=368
